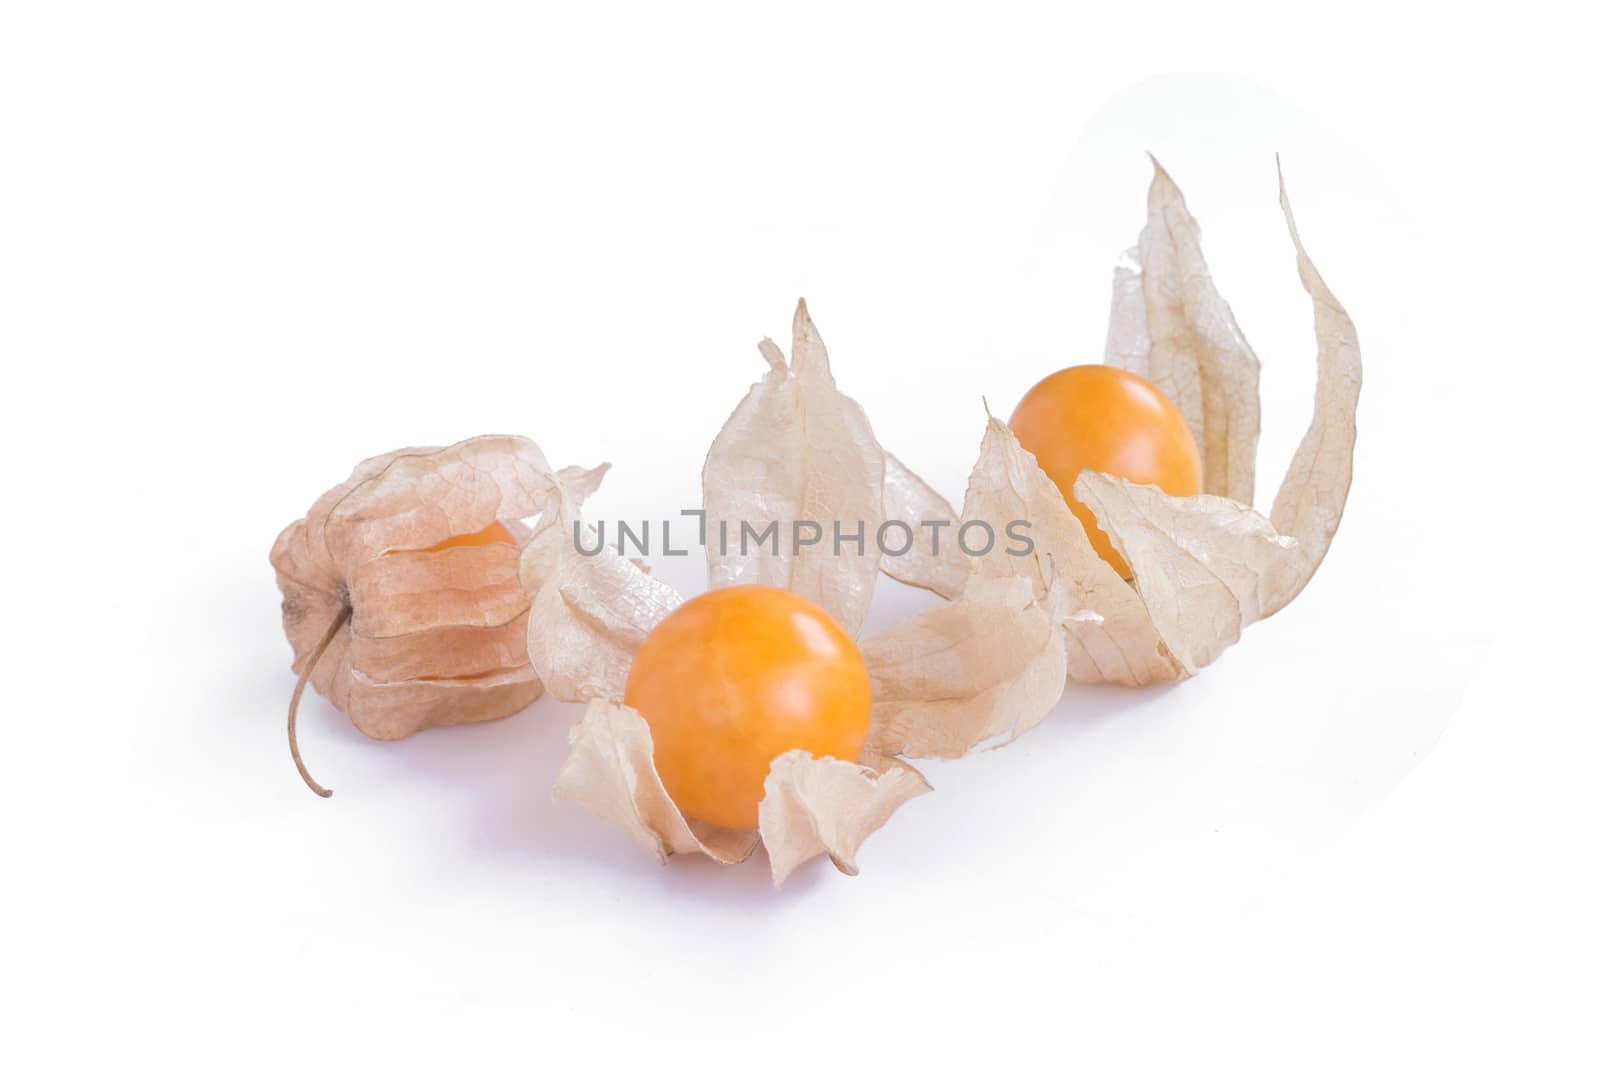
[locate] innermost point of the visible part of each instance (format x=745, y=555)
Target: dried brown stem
x=300, y=687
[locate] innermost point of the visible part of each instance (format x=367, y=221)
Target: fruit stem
x=300, y=687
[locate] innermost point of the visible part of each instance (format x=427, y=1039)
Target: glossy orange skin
x=1105, y=419
x=735, y=678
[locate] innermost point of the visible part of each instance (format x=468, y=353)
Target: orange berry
x=735, y=678
x=1105, y=419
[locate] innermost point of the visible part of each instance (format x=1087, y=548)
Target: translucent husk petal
x=991, y=663
x=1310, y=502
x=590, y=612
x=812, y=807
x=816, y=807
x=797, y=454
x=1108, y=631
x=611, y=771
x=1169, y=323
x=912, y=501
x=1203, y=565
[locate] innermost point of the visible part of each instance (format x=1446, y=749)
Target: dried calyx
x=1204, y=567
x=400, y=591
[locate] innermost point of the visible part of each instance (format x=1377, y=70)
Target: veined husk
x=1169, y=323
x=797, y=451
x=1204, y=567
x=432, y=638
x=794, y=450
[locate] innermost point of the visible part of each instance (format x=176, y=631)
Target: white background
x=244, y=246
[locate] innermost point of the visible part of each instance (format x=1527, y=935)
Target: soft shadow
x=505, y=770
x=1084, y=707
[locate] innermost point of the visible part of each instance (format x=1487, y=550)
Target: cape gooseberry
x=1110, y=420
x=735, y=678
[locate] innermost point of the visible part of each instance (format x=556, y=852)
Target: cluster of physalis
x=414, y=595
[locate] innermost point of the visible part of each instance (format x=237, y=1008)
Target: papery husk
x=828, y=807
x=1169, y=324
x=796, y=450
x=611, y=771
x=1207, y=567
x=990, y=664
x=589, y=613
x=909, y=499
x=811, y=807
x=1108, y=631
x=1310, y=502
x=1204, y=567
x=433, y=638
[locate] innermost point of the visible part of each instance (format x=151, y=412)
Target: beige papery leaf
x=590, y=612
x=1310, y=502
x=612, y=772
x=796, y=462
x=927, y=522
x=991, y=663
x=1108, y=631
x=811, y=807
x=815, y=807
x=1169, y=324
x=1205, y=566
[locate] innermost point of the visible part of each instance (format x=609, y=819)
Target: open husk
x=1204, y=567
x=397, y=635
x=1252, y=567
x=799, y=453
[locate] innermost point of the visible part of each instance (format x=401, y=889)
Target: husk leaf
x=611, y=771
x=814, y=807
x=1311, y=499
x=811, y=807
x=1109, y=634
x=1204, y=565
x=909, y=499
x=1174, y=328
x=589, y=613
x=797, y=451
x=991, y=663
